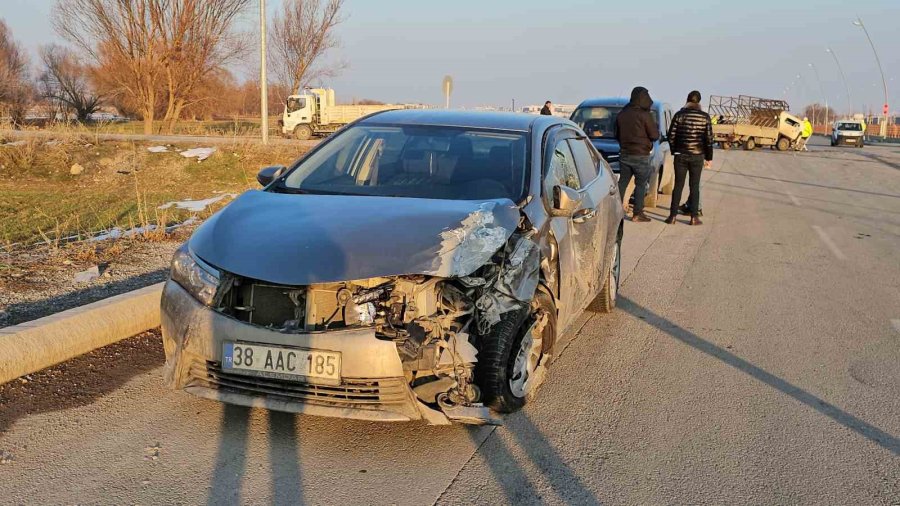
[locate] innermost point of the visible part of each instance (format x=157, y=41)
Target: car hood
x=303, y=239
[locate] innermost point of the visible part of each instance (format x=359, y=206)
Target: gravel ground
x=39, y=282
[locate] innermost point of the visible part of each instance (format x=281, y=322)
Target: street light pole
x=884, y=118
x=263, y=83
x=824, y=97
x=844, y=79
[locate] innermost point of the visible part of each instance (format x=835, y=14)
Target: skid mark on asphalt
x=861, y=427
x=828, y=242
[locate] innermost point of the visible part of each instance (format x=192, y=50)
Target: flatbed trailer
x=751, y=121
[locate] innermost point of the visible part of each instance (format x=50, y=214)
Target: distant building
x=561, y=110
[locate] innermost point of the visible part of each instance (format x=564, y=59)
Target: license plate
x=281, y=362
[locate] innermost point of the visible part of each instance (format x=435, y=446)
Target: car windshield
x=597, y=122
x=853, y=127
x=422, y=161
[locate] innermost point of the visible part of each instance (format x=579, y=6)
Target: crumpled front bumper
x=373, y=386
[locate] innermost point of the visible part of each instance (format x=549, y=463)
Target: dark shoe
x=670, y=220
x=684, y=209
x=696, y=221
x=640, y=218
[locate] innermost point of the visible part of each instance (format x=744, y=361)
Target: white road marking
x=896, y=323
x=828, y=242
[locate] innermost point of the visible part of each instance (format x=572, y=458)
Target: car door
x=599, y=196
x=575, y=234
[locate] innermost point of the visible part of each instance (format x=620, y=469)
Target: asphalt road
x=754, y=359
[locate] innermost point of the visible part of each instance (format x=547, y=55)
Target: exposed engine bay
x=436, y=323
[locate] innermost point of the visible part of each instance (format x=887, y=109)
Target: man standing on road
x=805, y=134
x=691, y=139
x=636, y=132
x=547, y=110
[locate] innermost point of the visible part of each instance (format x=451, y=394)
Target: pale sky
x=568, y=50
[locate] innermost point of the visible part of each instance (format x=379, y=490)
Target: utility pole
x=263, y=83
x=844, y=79
x=884, y=116
x=824, y=97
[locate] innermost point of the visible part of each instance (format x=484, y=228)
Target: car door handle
x=612, y=189
x=582, y=215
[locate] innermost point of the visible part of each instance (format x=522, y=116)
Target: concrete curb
x=41, y=343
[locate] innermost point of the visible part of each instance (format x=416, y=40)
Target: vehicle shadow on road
x=231, y=456
x=517, y=486
x=861, y=427
x=287, y=483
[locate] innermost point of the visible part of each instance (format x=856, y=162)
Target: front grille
x=351, y=393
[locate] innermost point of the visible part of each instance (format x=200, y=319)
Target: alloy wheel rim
x=527, y=358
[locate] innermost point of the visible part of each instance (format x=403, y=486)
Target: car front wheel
x=509, y=359
x=606, y=301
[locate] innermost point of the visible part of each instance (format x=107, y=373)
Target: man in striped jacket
x=691, y=140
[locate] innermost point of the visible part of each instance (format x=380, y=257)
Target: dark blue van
x=597, y=117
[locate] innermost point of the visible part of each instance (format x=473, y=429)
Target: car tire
x=750, y=144
x=499, y=367
x=783, y=144
x=609, y=294
x=303, y=132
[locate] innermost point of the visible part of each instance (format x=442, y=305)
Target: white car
x=847, y=133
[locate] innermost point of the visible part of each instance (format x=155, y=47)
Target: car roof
x=472, y=119
x=612, y=102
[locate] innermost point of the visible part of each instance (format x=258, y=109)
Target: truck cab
x=300, y=114
x=597, y=117
x=314, y=112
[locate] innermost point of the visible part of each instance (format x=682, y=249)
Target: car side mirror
x=565, y=201
x=269, y=174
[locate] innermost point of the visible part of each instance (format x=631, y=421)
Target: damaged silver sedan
x=418, y=265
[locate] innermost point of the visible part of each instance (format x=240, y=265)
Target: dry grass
x=122, y=186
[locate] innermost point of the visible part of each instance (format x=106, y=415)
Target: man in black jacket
x=636, y=132
x=691, y=140
x=547, y=110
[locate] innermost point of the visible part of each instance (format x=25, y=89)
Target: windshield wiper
x=281, y=188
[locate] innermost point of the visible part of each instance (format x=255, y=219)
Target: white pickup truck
x=315, y=113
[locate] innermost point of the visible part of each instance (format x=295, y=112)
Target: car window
x=585, y=164
x=562, y=169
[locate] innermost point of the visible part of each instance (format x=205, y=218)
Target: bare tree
x=199, y=44
x=123, y=42
x=156, y=53
x=16, y=91
x=64, y=82
x=300, y=37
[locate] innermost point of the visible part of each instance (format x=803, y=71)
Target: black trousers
x=687, y=165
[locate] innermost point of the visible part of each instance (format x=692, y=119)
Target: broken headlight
x=195, y=276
